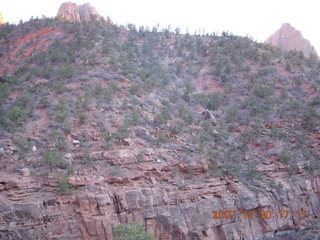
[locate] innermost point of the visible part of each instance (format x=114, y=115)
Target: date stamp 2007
x=260, y=214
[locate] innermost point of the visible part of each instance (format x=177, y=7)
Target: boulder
x=2, y=152
x=25, y=172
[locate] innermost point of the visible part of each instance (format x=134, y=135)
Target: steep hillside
x=103, y=124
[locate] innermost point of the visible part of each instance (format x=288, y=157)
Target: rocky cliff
x=288, y=38
x=31, y=210
x=73, y=12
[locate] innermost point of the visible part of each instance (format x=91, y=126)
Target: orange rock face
x=72, y=12
x=1, y=19
x=288, y=38
x=68, y=11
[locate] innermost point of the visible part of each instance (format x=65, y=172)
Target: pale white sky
x=256, y=18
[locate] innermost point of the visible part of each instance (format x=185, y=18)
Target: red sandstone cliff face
x=73, y=12
x=288, y=38
x=30, y=211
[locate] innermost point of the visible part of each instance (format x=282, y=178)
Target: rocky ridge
x=288, y=38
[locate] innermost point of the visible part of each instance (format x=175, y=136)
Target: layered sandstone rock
x=288, y=38
x=1, y=19
x=73, y=12
x=30, y=209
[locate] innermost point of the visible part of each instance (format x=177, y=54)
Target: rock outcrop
x=73, y=12
x=28, y=212
x=288, y=38
x=1, y=19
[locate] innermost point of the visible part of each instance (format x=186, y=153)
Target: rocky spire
x=72, y=12
x=288, y=38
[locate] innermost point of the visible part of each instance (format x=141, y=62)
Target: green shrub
x=232, y=163
x=163, y=117
x=186, y=114
x=59, y=87
x=190, y=171
x=64, y=187
x=277, y=133
x=233, y=114
x=292, y=169
x=83, y=102
x=140, y=156
x=252, y=171
x=212, y=101
x=309, y=120
x=118, y=170
x=231, y=168
x=262, y=91
x=133, y=231
x=177, y=127
x=288, y=66
x=44, y=102
x=53, y=158
x=133, y=118
x=62, y=111
x=214, y=168
x=136, y=89
x=162, y=138
x=18, y=113
x=248, y=136
x=256, y=106
x=313, y=165
x=188, y=89
x=71, y=170
x=4, y=92
x=83, y=117
x=59, y=52
x=92, y=59
x=121, y=133
x=113, y=86
x=107, y=136
x=66, y=127
x=103, y=94
x=59, y=139
x=86, y=158
x=284, y=157
x=24, y=145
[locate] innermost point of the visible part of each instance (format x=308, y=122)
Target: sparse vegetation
x=133, y=231
x=224, y=98
x=24, y=144
x=18, y=112
x=61, y=111
x=53, y=157
x=64, y=187
x=44, y=101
